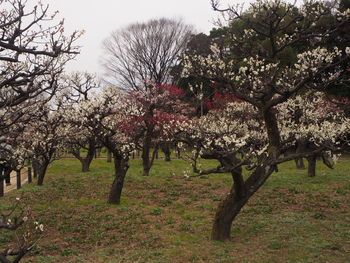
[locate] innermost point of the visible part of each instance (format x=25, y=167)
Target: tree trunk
x=167, y=152
x=311, y=169
x=41, y=172
x=146, y=159
x=35, y=166
x=239, y=195
x=229, y=208
x=2, y=188
x=121, y=166
x=299, y=163
x=85, y=165
x=86, y=162
x=7, y=174
x=301, y=147
x=178, y=153
x=109, y=156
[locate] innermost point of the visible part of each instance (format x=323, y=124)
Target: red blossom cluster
x=219, y=101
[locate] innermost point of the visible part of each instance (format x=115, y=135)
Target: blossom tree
x=79, y=87
x=34, y=50
x=159, y=105
x=108, y=116
x=236, y=137
x=316, y=113
x=44, y=138
x=251, y=68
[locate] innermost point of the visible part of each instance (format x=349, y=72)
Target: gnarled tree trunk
x=242, y=190
x=229, y=208
x=239, y=195
x=121, y=166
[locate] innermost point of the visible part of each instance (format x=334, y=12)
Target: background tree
x=45, y=138
x=145, y=52
x=142, y=55
x=158, y=106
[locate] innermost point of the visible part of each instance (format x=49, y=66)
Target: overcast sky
x=100, y=18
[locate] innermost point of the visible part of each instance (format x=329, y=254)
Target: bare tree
x=32, y=47
x=144, y=52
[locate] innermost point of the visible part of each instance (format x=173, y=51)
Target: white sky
x=100, y=18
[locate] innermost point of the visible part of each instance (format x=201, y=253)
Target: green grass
x=167, y=218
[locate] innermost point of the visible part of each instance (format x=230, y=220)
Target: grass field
x=167, y=218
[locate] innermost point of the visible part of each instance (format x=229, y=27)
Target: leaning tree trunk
x=311, y=169
x=242, y=190
x=229, y=208
x=121, y=166
x=41, y=172
x=239, y=195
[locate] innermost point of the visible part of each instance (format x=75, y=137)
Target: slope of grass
x=167, y=218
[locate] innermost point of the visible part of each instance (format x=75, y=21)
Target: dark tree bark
x=167, y=152
x=1, y=181
x=85, y=161
x=85, y=165
x=229, y=208
x=299, y=163
x=311, y=169
x=7, y=174
x=35, y=165
x=242, y=190
x=239, y=195
x=147, y=160
x=301, y=147
x=42, y=171
x=121, y=166
x=109, y=156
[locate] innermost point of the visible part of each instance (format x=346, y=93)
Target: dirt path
x=13, y=186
